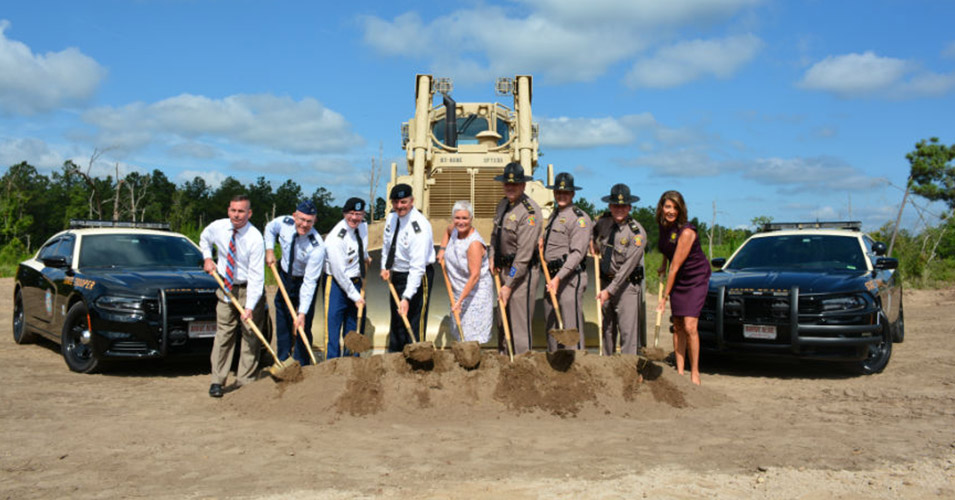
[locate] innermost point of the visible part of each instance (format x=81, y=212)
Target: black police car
x=113, y=293
x=821, y=290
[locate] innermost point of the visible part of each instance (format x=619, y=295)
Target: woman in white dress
x=464, y=254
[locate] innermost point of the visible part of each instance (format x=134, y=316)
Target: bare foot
x=695, y=378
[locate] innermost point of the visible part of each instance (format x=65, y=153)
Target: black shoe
x=215, y=390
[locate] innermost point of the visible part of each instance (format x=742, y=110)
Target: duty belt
x=554, y=266
x=505, y=261
x=635, y=278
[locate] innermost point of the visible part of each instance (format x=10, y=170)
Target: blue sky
x=794, y=110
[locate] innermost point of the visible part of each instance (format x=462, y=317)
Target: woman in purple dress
x=687, y=281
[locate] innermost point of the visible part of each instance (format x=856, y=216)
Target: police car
x=821, y=290
x=113, y=291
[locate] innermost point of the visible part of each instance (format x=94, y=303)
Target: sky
x=792, y=110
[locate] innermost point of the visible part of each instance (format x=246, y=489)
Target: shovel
x=280, y=370
x=457, y=314
x=288, y=303
x=564, y=337
x=503, y=307
x=655, y=353
x=600, y=313
x=354, y=341
x=421, y=352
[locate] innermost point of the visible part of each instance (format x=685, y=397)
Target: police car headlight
x=844, y=303
x=115, y=303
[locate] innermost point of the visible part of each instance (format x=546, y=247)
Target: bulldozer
x=453, y=151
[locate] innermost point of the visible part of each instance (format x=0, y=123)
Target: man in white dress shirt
x=406, y=257
x=303, y=259
x=240, y=256
x=346, y=249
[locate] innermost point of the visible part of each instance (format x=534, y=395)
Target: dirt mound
x=587, y=384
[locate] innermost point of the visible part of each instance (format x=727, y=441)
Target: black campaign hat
x=620, y=195
x=513, y=174
x=564, y=182
x=354, y=205
x=400, y=191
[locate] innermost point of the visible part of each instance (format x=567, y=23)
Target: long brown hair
x=677, y=200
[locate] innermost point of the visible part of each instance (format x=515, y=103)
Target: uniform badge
x=288, y=220
x=624, y=241
x=313, y=240
x=341, y=234
x=512, y=272
x=531, y=220
x=672, y=236
x=562, y=220
x=582, y=222
x=513, y=217
x=417, y=228
x=637, y=240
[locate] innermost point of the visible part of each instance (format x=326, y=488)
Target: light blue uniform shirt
x=309, y=255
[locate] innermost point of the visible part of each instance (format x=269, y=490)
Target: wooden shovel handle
x=600, y=314
x=394, y=295
x=447, y=284
x=248, y=323
x=553, y=295
x=291, y=309
x=503, y=307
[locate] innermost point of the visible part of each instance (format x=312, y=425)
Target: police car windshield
x=800, y=252
x=138, y=251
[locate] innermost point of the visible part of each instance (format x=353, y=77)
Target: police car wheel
x=79, y=355
x=21, y=335
x=879, y=354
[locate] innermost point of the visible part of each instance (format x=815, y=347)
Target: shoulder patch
x=288, y=220
x=638, y=241
x=342, y=233
x=634, y=226
x=578, y=212
x=527, y=205
x=582, y=222
x=313, y=240
x=531, y=220
x=417, y=228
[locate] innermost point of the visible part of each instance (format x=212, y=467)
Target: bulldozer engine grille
x=452, y=185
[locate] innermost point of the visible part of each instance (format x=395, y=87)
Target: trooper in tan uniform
x=566, y=241
x=620, y=241
x=513, y=253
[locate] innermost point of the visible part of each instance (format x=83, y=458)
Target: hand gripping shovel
x=569, y=337
x=354, y=341
x=419, y=352
x=282, y=371
x=288, y=303
x=507, y=326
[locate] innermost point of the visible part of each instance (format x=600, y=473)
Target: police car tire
x=79, y=357
x=21, y=334
x=898, y=331
x=879, y=354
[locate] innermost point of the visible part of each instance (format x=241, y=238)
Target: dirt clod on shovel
x=356, y=342
x=420, y=355
x=654, y=353
x=567, y=337
x=467, y=354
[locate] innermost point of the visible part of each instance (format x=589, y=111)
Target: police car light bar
x=84, y=223
x=852, y=225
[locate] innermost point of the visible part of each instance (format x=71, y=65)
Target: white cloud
x=31, y=150
x=193, y=149
x=563, y=40
x=686, y=162
x=824, y=213
x=33, y=83
x=948, y=51
x=567, y=133
x=278, y=123
x=870, y=75
x=686, y=61
x=213, y=178
x=810, y=174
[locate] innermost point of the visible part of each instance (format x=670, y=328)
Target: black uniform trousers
x=399, y=336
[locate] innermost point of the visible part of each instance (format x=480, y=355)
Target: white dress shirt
x=415, y=248
x=342, y=259
x=249, y=255
x=309, y=255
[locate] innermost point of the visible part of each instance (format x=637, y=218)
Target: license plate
x=202, y=329
x=766, y=332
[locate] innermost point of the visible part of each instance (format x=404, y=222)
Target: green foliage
x=932, y=173
x=12, y=254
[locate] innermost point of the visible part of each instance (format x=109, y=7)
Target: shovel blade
x=289, y=370
x=567, y=337
x=356, y=342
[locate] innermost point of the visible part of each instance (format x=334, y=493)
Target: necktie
x=394, y=244
x=497, y=240
x=361, y=254
x=550, y=225
x=291, y=254
x=230, y=262
x=608, y=252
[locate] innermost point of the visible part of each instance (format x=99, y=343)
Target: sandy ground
x=376, y=428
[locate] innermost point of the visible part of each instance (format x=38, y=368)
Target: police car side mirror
x=879, y=248
x=718, y=262
x=54, y=262
x=885, y=263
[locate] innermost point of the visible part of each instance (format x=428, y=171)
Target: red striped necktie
x=230, y=262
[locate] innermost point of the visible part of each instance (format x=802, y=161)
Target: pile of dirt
x=456, y=385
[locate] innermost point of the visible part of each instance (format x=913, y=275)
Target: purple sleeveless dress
x=693, y=278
